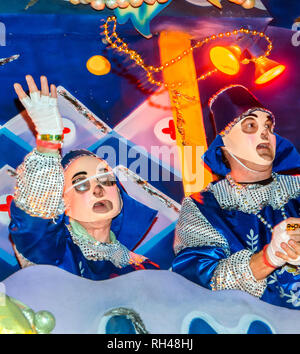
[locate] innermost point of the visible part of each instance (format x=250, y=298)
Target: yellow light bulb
x=225, y=59
x=98, y=65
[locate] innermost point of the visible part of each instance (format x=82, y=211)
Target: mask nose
x=265, y=134
x=98, y=191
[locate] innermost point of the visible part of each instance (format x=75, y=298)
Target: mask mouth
x=265, y=151
x=102, y=207
x=263, y=146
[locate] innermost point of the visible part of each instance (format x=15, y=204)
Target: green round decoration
x=44, y=322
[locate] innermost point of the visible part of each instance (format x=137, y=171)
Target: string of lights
x=115, y=42
x=121, y=46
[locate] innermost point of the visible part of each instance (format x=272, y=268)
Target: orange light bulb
x=226, y=59
x=267, y=70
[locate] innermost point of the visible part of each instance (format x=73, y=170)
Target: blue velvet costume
x=219, y=230
x=50, y=241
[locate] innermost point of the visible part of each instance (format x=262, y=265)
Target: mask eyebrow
x=270, y=119
x=79, y=173
x=252, y=115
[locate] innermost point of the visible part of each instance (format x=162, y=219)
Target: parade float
x=134, y=79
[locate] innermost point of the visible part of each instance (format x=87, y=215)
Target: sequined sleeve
x=235, y=273
x=39, y=187
x=200, y=246
x=193, y=230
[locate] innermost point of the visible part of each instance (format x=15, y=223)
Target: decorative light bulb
x=111, y=4
x=98, y=4
x=122, y=4
x=136, y=3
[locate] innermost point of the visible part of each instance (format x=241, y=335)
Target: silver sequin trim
x=24, y=262
x=194, y=230
x=253, y=198
x=244, y=115
x=115, y=252
x=234, y=273
x=40, y=182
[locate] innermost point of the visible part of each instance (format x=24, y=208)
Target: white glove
x=280, y=235
x=43, y=111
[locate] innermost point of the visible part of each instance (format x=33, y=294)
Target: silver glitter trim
x=234, y=273
x=168, y=202
x=194, y=230
x=115, y=252
x=39, y=188
x=242, y=116
x=24, y=262
x=31, y=3
x=80, y=108
x=132, y=315
x=252, y=198
x=4, y=61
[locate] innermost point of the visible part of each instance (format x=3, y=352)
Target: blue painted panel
x=119, y=325
x=199, y=326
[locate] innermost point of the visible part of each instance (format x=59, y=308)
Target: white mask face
x=252, y=139
x=91, y=193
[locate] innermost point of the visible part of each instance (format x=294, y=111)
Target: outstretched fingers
x=19, y=91
x=44, y=86
x=31, y=84
x=53, y=91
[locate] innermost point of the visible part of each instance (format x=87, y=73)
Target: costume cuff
x=24, y=262
x=40, y=182
x=234, y=273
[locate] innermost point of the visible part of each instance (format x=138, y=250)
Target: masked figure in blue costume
x=243, y=231
x=72, y=212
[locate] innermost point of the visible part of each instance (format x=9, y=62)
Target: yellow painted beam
x=187, y=114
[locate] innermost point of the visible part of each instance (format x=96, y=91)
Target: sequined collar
x=114, y=252
x=253, y=185
x=254, y=197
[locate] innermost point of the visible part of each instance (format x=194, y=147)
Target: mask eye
x=270, y=127
x=82, y=187
x=249, y=126
x=108, y=180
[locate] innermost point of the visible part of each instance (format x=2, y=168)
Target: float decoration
x=115, y=42
x=113, y=4
x=123, y=4
x=246, y=4
x=31, y=3
x=4, y=61
x=17, y=318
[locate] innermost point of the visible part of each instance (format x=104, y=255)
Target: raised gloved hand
x=284, y=247
x=42, y=108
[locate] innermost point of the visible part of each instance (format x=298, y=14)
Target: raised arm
x=37, y=211
x=40, y=178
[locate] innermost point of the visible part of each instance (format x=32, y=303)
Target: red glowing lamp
x=267, y=70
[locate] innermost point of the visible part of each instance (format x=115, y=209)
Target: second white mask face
x=252, y=139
